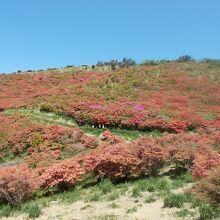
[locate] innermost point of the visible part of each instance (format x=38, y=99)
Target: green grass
x=133, y=134
x=6, y=210
x=44, y=117
x=132, y=210
x=181, y=180
x=176, y=200
x=86, y=207
x=150, y=199
x=70, y=197
x=106, y=186
x=210, y=116
x=208, y=212
x=105, y=190
x=94, y=197
x=3, y=136
x=89, y=179
x=104, y=217
x=113, y=196
x=32, y=209
x=183, y=213
x=114, y=205
x=150, y=184
x=136, y=192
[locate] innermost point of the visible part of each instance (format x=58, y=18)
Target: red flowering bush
x=151, y=155
x=208, y=189
x=205, y=160
x=124, y=160
x=42, y=159
x=90, y=162
x=177, y=126
x=110, y=138
x=183, y=147
x=117, y=162
x=62, y=175
x=182, y=156
x=89, y=141
x=17, y=184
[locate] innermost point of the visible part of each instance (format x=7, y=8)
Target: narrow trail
x=53, y=118
x=44, y=117
x=9, y=163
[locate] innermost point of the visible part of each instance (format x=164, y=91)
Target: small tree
x=185, y=58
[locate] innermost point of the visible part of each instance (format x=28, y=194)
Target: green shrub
x=37, y=140
x=86, y=207
x=210, y=116
x=184, y=213
x=33, y=210
x=152, y=184
x=5, y=210
x=136, y=192
x=94, y=197
x=176, y=200
x=179, y=181
x=208, y=212
x=113, y=196
x=149, y=199
x=3, y=136
x=46, y=107
x=114, y=205
x=163, y=184
x=106, y=186
x=131, y=210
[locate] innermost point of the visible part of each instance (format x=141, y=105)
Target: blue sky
x=37, y=34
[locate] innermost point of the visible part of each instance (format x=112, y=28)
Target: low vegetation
x=145, y=133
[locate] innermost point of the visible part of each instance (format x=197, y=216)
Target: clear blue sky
x=38, y=34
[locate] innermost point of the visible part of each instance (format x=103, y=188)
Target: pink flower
x=139, y=107
x=95, y=106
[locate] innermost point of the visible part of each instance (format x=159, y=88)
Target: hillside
x=102, y=143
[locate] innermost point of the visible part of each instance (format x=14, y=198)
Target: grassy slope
x=144, y=190
x=138, y=194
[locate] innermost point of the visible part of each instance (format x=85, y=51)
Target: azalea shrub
x=17, y=184
x=61, y=175
x=205, y=160
x=126, y=160
x=110, y=138
x=42, y=159
x=152, y=156
x=208, y=189
x=183, y=148
x=117, y=163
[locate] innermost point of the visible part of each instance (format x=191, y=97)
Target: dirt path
x=103, y=211
x=153, y=211
x=9, y=164
x=123, y=208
